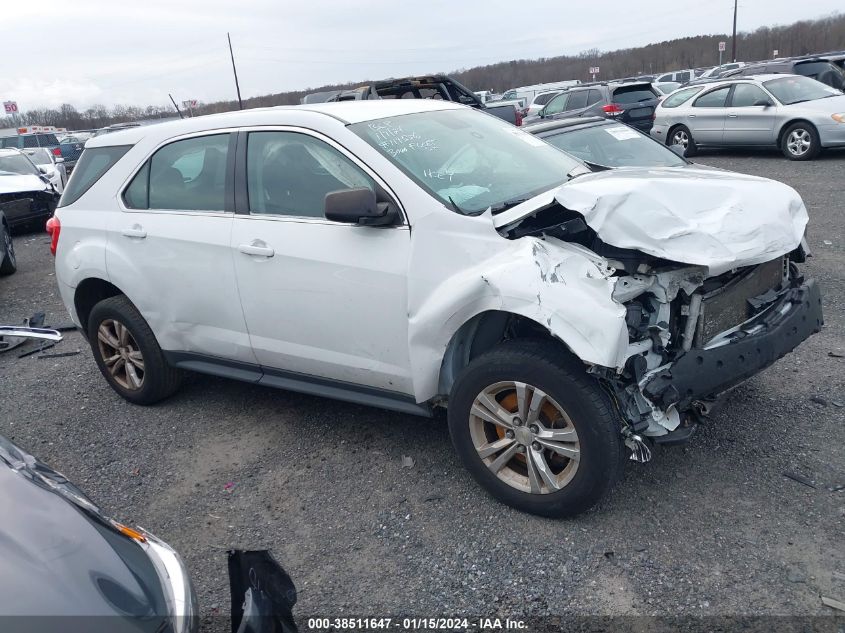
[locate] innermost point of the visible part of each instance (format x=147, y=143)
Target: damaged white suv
x=418, y=254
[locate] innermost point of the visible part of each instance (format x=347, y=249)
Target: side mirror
x=358, y=206
x=680, y=150
x=763, y=102
x=42, y=169
x=59, y=159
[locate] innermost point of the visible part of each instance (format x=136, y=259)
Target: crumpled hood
x=719, y=220
x=16, y=183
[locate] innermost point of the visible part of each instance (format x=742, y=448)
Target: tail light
x=612, y=109
x=57, y=151
x=54, y=227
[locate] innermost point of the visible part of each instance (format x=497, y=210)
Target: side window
x=714, y=99
x=556, y=105
x=543, y=99
x=593, y=96
x=577, y=100
x=92, y=164
x=289, y=173
x=746, y=95
x=188, y=175
x=677, y=98
x=664, y=78
x=682, y=77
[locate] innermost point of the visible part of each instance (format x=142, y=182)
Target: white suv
x=419, y=254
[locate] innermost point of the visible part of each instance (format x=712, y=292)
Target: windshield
x=615, y=146
x=16, y=164
x=468, y=160
x=796, y=89
x=39, y=156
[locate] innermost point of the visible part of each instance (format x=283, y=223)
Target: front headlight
x=839, y=117
x=179, y=593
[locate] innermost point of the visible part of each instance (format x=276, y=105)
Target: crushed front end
x=692, y=337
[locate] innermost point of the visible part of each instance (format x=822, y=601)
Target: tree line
x=800, y=38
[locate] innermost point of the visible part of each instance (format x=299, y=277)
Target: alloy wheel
x=524, y=437
x=10, y=247
x=121, y=355
x=799, y=142
x=680, y=138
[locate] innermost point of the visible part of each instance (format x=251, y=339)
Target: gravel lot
x=711, y=528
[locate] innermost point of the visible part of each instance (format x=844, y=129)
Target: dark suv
x=819, y=68
x=632, y=103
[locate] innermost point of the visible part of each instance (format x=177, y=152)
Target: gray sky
x=95, y=51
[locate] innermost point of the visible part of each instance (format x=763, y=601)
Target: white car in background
x=415, y=254
x=540, y=100
x=50, y=165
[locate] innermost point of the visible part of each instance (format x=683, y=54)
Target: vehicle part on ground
x=263, y=594
x=535, y=430
x=128, y=354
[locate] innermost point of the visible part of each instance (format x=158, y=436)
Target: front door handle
x=732, y=116
x=136, y=230
x=258, y=248
x=691, y=116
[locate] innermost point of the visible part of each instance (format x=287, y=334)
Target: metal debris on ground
x=836, y=354
x=818, y=400
x=833, y=603
x=801, y=479
x=61, y=355
x=407, y=462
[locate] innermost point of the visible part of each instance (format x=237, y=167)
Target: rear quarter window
x=92, y=164
x=682, y=96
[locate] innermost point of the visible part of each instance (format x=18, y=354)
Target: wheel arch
x=89, y=293
x=483, y=332
x=791, y=122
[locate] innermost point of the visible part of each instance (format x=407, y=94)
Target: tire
x=681, y=135
x=128, y=354
x=7, y=248
x=566, y=391
x=800, y=141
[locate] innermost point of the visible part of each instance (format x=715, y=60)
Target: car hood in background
x=716, y=219
x=16, y=183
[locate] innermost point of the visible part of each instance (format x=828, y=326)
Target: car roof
x=345, y=111
x=8, y=151
x=562, y=124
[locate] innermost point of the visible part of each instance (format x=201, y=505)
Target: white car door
x=169, y=249
x=321, y=298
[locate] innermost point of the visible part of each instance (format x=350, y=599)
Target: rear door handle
x=691, y=116
x=136, y=230
x=258, y=248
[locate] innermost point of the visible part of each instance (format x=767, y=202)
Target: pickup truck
x=441, y=87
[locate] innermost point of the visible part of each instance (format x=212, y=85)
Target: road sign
x=776, y=52
x=11, y=107
x=722, y=47
x=190, y=103
x=594, y=70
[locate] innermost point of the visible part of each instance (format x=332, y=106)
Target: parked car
x=820, y=69
x=8, y=261
x=115, y=127
x=555, y=312
x=85, y=571
x=679, y=76
x=527, y=93
x=539, y=101
x=79, y=562
x=437, y=87
x=50, y=165
x=604, y=144
x=632, y=103
x=71, y=148
x=666, y=88
x=25, y=193
x=799, y=115
x=718, y=71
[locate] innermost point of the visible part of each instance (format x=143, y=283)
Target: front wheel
x=7, y=246
x=534, y=430
x=128, y=354
x=800, y=141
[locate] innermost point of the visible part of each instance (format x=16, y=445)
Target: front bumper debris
x=703, y=373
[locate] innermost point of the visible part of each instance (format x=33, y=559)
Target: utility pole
x=174, y=105
x=235, y=71
x=736, y=2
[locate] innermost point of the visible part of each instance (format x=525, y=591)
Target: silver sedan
x=799, y=115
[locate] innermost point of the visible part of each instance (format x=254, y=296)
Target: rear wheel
x=534, y=430
x=683, y=137
x=800, y=141
x=128, y=354
x=10, y=262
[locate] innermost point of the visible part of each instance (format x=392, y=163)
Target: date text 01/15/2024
x=415, y=624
